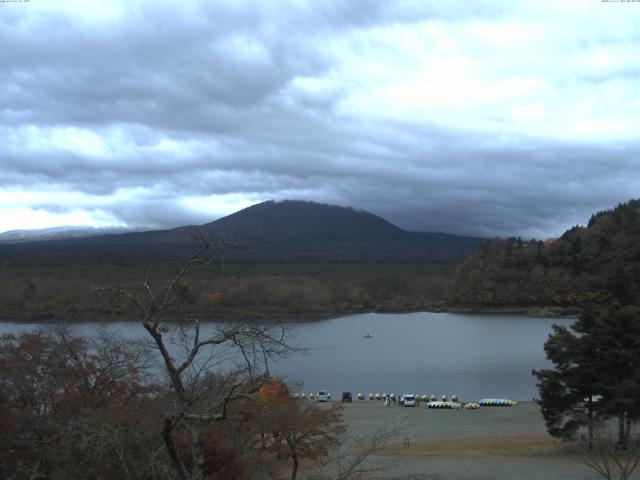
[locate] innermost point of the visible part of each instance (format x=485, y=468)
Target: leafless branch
x=350, y=463
x=201, y=396
x=610, y=460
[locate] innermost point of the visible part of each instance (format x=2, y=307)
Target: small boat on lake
x=367, y=335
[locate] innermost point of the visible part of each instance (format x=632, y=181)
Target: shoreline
x=497, y=443
x=305, y=317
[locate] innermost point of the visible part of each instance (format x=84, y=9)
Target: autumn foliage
x=77, y=408
x=293, y=428
x=74, y=409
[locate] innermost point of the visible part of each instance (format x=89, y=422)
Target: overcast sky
x=485, y=118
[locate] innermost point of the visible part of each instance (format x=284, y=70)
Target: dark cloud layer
x=486, y=120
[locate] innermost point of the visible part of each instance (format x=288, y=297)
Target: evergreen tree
x=568, y=392
x=596, y=372
x=617, y=330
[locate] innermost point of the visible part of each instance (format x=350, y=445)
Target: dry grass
x=499, y=446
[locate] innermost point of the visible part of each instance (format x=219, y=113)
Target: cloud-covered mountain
x=273, y=231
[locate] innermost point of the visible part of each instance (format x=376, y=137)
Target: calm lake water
x=471, y=355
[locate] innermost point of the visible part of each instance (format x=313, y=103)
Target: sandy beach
x=491, y=443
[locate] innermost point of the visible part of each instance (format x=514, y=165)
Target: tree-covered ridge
x=264, y=292
x=570, y=271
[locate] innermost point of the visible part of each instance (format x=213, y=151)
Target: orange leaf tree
x=308, y=430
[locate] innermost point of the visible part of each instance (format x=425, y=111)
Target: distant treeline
x=263, y=292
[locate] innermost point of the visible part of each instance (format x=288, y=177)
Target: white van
x=323, y=396
x=409, y=400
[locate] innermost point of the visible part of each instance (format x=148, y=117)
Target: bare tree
x=608, y=458
x=352, y=462
x=205, y=372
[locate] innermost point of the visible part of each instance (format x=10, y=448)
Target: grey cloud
x=157, y=213
x=183, y=68
x=530, y=190
x=219, y=80
x=177, y=71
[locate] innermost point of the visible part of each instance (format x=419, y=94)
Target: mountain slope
x=573, y=270
x=273, y=231
x=292, y=219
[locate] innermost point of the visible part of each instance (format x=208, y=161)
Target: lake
x=470, y=355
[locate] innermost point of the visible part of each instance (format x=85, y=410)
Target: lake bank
x=497, y=443
x=279, y=316
x=550, y=311
x=265, y=293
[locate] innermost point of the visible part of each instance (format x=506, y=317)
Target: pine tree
x=596, y=372
x=568, y=392
x=617, y=330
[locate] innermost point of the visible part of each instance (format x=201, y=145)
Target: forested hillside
x=566, y=272
x=294, y=291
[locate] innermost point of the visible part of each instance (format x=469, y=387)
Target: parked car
x=347, y=397
x=409, y=400
x=323, y=396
